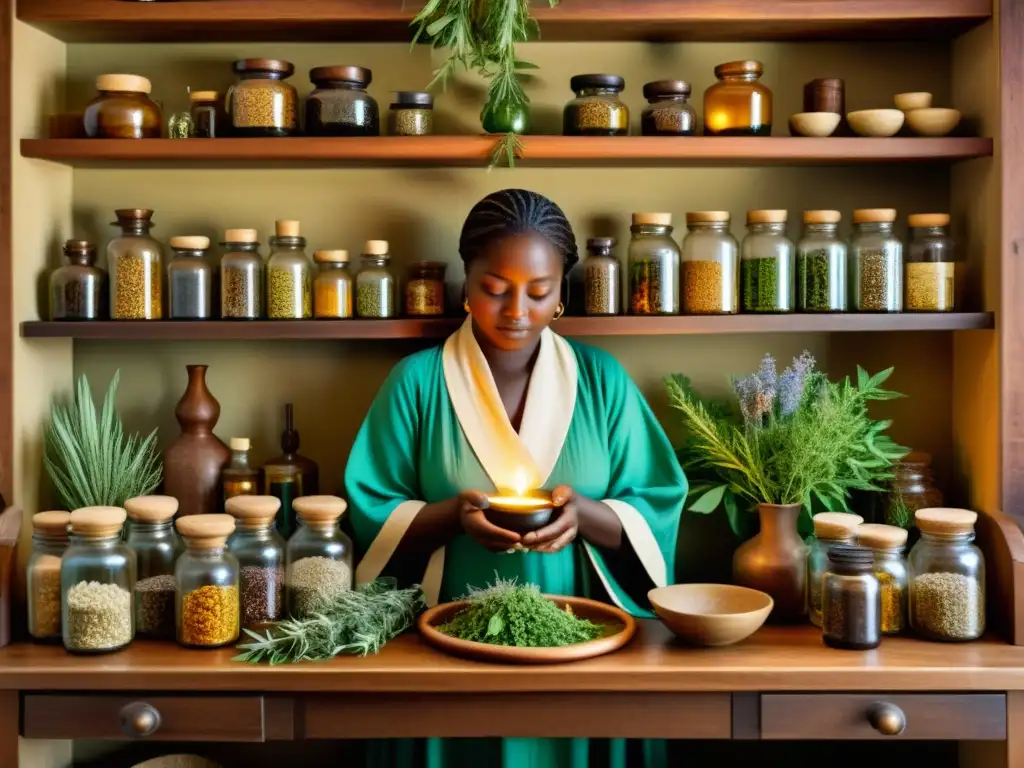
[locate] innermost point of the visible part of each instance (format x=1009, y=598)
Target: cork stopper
x=253, y=511
x=928, y=220
x=375, y=248
x=151, y=509
x=52, y=522
x=189, y=242
x=835, y=525
x=879, y=536
x=203, y=96
x=239, y=444
x=97, y=522
x=874, y=215
x=129, y=83
x=767, y=217
x=240, y=236
x=331, y=257
x=652, y=219
x=701, y=217
x=942, y=520
x=822, y=217
x=206, y=531
x=319, y=510
x=286, y=228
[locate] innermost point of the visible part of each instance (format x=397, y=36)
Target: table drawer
x=980, y=717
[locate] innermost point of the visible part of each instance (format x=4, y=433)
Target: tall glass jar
x=424, y=290
x=668, y=111
x=319, y=556
x=241, y=276
x=135, y=263
x=289, y=275
x=412, y=114
x=767, y=263
x=711, y=265
x=851, y=603
x=912, y=488
x=260, y=552
x=156, y=546
x=261, y=103
x=931, y=264
x=602, y=285
x=207, y=583
x=821, y=264
x=887, y=542
x=375, y=284
x=340, y=105
x=122, y=109
x=653, y=266
x=190, y=279
x=204, y=107
x=876, y=262
x=333, y=292
x=830, y=528
x=597, y=109
x=42, y=574
x=97, y=581
x=947, y=577
x=738, y=104
x=238, y=478
x=76, y=288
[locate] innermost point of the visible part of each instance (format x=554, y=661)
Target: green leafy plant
x=794, y=438
x=88, y=457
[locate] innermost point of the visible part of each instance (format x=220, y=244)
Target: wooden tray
x=624, y=627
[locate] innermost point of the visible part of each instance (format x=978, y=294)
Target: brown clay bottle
x=193, y=463
x=289, y=475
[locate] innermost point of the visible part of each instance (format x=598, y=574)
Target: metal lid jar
x=207, y=583
x=668, y=111
x=887, y=542
x=851, y=603
x=289, y=275
x=122, y=109
x=76, y=288
x=259, y=549
x=333, y=288
x=412, y=114
x=711, y=265
x=156, y=546
x=597, y=109
x=602, y=285
x=319, y=556
x=767, y=262
x=653, y=266
x=931, y=264
x=241, y=276
x=189, y=279
x=821, y=264
x=424, y=289
x=830, y=528
x=135, y=263
x=738, y=104
x=375, y=284
x=261, y=103
x=42, y=574
x=340, y=105
x=876, y=262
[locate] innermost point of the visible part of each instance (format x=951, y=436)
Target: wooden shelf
x=270, y=330
x=443, y=151
x=589, y=20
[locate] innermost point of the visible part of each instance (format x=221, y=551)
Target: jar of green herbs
x=821, y=264
x=375, y=283
x=767, y=261
x=289, y=275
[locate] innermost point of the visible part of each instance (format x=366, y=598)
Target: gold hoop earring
x=465, y=306
x=560, y=310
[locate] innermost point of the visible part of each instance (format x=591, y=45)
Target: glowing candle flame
x=521, y=484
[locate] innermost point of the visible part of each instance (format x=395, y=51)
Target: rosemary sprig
x=508, y=148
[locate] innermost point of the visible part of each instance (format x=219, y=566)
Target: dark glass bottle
x=76, y=289
x=289, y=475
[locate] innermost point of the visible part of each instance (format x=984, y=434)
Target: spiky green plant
x=88, y=457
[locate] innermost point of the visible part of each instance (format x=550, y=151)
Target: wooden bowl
x=517, y=519
x=814, y=123
x=914, y=100
x=875, y=123
x=934, y=121
x=711, y=614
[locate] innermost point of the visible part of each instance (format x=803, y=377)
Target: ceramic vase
x=775, y=561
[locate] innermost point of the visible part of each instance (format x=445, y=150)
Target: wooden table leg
x=1003, y=754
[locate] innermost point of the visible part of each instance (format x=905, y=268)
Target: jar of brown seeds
x=412, y=114
x=602, y=286
x=135, y=262
x=261, y=103
x=876, y=262
x=241, y=276
x=597, y=109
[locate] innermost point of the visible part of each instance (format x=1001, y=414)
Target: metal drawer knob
x=139, y=719
x=887, y=719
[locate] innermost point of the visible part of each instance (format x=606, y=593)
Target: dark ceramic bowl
x=519, y=520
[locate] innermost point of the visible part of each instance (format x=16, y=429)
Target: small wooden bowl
x=518, y=519
x=875, y=123
x=933, y=121
x=711, y=614
x=814, y=123
x=914, y=100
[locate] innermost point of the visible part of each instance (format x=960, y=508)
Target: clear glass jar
x=668, y=111
x=653, y=266
x=711, y=265
x=42, y=574
x=412, y=114
x=156, y=546
x=122, y=109
x=375, y=284
x=238, y=478
x=602, y=286
x=947, y=577
x=821, y=264
x=261, y=103
x=830, y=528
x=76, y=288
x=597, y=109
x=289, y=275
x=888, y=542
x=333, y=291
x=260, y=552
x=738, y=104
x=190, y=279
x=97, y=581
x=179, y=124
x=424, y=290
x=207, y=583
x=876, y=262
x=241, y=276
x=851, y=602
x=135, y=263
x=931, y=264
x=767, y=264
x=912, y=488
x=205, y=109
x=319, y=556
x=340, y=105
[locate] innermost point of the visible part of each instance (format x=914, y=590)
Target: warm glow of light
x=521, y=484
x=718, y=121
x=517, y=503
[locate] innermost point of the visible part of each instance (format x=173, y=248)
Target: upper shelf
x=583, y=20
x=440, y=151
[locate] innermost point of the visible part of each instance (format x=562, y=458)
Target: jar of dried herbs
x=767, y=262
x=76, y=288
x=289, y=275
x=207, y=122
x=152, y=538
x=876, y=262
x=261, y=103
x=888, y=542
x=668, y=111
x=653, y=266
x=375, y=284
x=821, y=264
x=340, y=105
x=597, y=109
x=135, y=263
x=190, y=279
x=602, y=287
x=260, y=552
x=42, y=574
x=711, y=265
x=319, y=556
x=830, y=528
x=334, y=286
x=851, y=605
x=412, y=114
x=241, y=276
x=206, y=575
x=424, y=290
x=931, y=264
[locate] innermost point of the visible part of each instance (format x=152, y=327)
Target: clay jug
x=775, y=561
x=193, y=462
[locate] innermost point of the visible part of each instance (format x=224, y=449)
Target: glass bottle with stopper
x=238, y=478
x=289, y=475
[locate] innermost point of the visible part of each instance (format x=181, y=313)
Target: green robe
x=412, y=447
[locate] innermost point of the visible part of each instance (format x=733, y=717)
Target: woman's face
x=513, y=289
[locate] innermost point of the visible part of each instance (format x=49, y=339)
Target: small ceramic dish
x=933, y=121
x=711, y=614
x=875, y=123
x=914, y=100
x=814, y=123
x=521, y=513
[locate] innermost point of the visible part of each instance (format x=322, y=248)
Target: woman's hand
x=561, y=531
x=469, y=507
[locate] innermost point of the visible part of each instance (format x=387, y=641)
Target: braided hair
x=516, y=212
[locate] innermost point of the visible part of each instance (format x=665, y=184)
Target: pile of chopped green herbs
x=358, y=621
x=520, y=616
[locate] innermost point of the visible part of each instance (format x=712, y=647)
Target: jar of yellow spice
x=42, y=577
x=830, y=528
x=887, y=542
x=930, y=269
x=207, y=583
x=333, y=286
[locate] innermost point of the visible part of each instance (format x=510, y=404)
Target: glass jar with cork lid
x=340, y=105
x=76, y=288
x=821, y=264
x=767, y=264
x=122, y=109
x=289, y=275
x=319, y=556
x=830, y=528
x=156, y=546
x=375, y=284
x=602, y=284
x=597, y=109
x=333, y=288
x=238, y=478
x=97, y=581
x=738, y=104
x=653, y=266
x=241, y=276
x=668, y=111
x=204, y=107
x=851, y=605
x=207, y=583
x=876, y=262
x=912, y=488
x=259, y=549
x=42, y=574
x=711, y=265
x=888, y=542
x=931, y=264
x=135, y=263
x=412, y=114
x=424, y=289
x=261, y=103
x=189, y=279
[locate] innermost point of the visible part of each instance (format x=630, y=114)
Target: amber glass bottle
x=738, y=104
